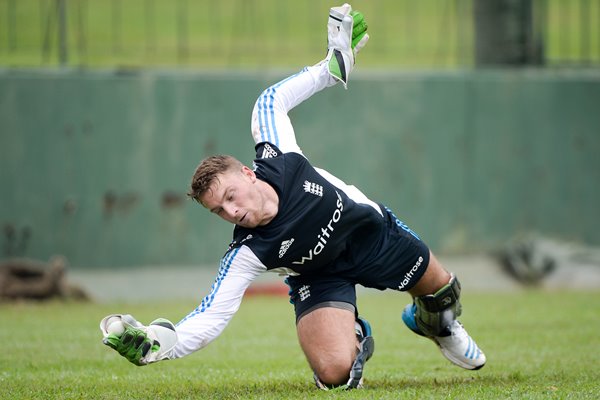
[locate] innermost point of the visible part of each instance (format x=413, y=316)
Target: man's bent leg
x=434, y=278
x=433, y=314
x=328, y=339
x=336, y=342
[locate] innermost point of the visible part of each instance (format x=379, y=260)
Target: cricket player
x=326, y=236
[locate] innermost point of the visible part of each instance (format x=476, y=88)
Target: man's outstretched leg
x=434, y=312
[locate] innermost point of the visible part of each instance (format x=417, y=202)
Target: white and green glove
x=346, y=36
x=139, y=344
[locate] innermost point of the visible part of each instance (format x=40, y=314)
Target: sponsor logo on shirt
x=285, y=245
x=326, y=232
x=410, y=273
x=269, y=152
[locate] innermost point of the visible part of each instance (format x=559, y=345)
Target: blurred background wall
x=475, y=121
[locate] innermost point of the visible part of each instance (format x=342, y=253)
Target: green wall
x=95, y=165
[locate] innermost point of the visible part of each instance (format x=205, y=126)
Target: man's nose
x=231, y=210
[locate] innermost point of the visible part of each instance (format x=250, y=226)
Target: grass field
x=540, y=345
x=269, y=33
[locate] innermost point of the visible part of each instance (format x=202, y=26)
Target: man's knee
x=327, y=337
x=333, y=372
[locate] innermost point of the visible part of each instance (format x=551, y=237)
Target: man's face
x=235, y=197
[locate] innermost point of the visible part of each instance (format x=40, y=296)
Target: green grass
x=540, y=345
x=269, y=33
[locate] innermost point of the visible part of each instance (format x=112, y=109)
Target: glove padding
x=140, y=344
x=346, y=36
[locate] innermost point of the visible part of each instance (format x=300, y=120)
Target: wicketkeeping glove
x=346, y=36
x=139, y=344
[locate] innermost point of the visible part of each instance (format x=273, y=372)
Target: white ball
x=115, y=327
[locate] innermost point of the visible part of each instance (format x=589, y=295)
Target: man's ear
x=249, y=173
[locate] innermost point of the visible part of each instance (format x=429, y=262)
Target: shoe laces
x=455, y=330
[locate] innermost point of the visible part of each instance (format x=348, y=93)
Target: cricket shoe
x=454, y=342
